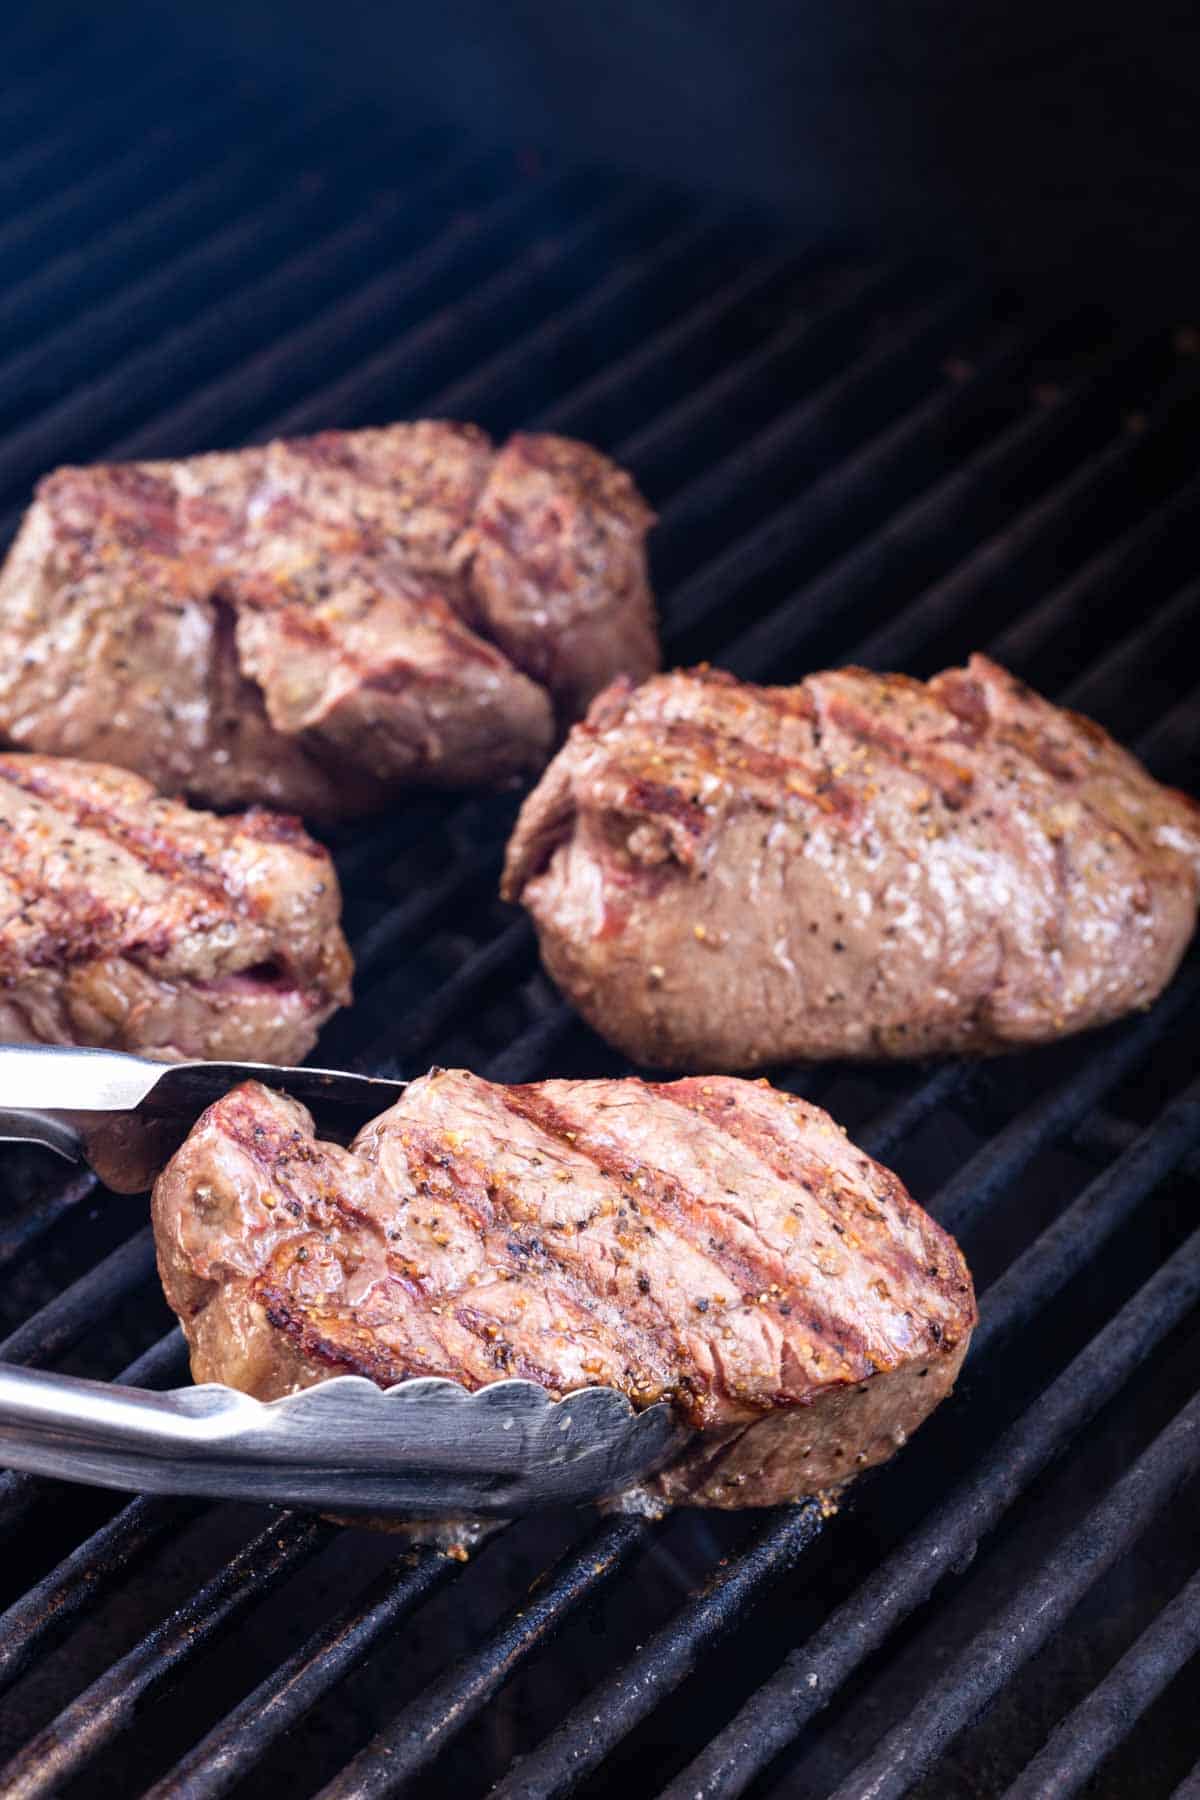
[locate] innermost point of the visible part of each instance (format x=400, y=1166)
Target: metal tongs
x=426, y=1449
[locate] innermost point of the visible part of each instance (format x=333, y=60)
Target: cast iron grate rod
x=110, y=1704
x=271, y=226
x=812, y=1674
x=1044, y=1603
x=1101, y=1722
x=235, y=1745
x=412, y=362
x=157, y=233
x=1087, y=487
x=925, y=523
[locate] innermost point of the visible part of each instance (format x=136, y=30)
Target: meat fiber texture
x=862, y=865
x=133, y=923
x=714, y=1243
x=316, y=623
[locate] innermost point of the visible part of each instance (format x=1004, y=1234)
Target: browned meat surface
x=713, y=1242
x=862, y=865
x=134, y=923
x=318, y=622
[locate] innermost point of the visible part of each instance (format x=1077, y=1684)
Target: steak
x=316, y=623
x=862, y=865
x=133, y=923
x=712, y=1242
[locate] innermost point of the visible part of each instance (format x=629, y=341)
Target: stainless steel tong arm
x=426, y=1449
x=125, y=1115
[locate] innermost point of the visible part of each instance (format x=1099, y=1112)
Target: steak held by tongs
x=484, y=1298
x=319, y=622
x=713, y=1244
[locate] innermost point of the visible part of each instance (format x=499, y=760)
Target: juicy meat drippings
x=714, y=1243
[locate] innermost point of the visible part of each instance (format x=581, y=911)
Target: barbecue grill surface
x=852, y=462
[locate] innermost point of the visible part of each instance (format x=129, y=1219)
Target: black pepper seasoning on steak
x=135, y=923
x=865, y=865
x=712, y=1242
x=320, y=621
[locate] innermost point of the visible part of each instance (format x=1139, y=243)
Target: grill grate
x=850, y=461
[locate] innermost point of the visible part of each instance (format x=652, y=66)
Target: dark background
x=1054, y=140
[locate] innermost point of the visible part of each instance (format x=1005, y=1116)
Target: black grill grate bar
x=1000, y=557
x=85, y=418
x=1060, y=1252
x=1079, y=1233
x=420, y=1731
x=883, y=1134
x=1110, y=568
x=1189, y=1787
x=154, y=235
x=1092, y=690
x=94, y=127
x=496, y=383
x=419, y=911
x=1105, y=1135
x=886, y=375
x=604, y=1718
x=80, y=1307
x=1100, y=1723
x=404, y=370
x=669, y=351
x=891, y=461
x=231, y=1750
x=19, y=1235
x=47, y=1611
x=1172, y=742
x=529, y=1054
x=1036, y=1612
x=937, y=518
x=961, y=1202
x=111, y=1703
x=813, y=1673
x=113, y=183
x=404, y=1039
x=228, y=255
x=451, y=254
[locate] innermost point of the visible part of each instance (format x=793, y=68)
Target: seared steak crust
x=134, y=923
x=712, y=1242
x=316, y=622
x=862, y=865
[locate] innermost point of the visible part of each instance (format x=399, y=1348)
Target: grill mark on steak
x=953, y=782
x=290, y=1292
x=682, y=1209
x=464, y=1176
x=849, y=1211
x=158, y=854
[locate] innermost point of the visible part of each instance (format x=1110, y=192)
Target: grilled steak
x=315, y=623
x=134, y=923
x=861, y=865
x=711, y=1241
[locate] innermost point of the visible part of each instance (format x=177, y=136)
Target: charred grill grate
x=851, y=461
